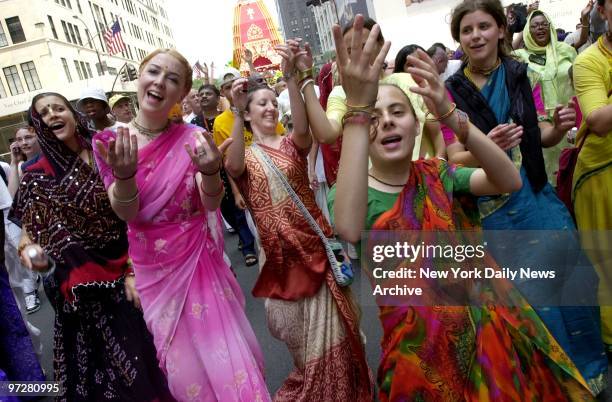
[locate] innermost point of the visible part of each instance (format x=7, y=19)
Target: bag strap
x=298, y=202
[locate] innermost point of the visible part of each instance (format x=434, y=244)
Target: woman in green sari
x=550, y=60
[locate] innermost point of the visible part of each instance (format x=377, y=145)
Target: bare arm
x=564, y=119
x=323, y=129
x=234, y=163
x=435, y=135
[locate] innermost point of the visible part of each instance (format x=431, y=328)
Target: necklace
x=385, y=183
x=147, y=132
x=484, y=71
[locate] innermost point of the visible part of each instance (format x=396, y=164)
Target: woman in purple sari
x=163, y=179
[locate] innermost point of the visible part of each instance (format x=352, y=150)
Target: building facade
x=58, y=45
x=297, y=20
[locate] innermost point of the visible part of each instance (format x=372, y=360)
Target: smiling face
x=94, y=109
x=396, y=128
x=479, y=36
x=56, y=114
x=28, y=142
x=122, y=110
x=539, y=28
x=208, y=99
x=262, y=111
x=161, y=85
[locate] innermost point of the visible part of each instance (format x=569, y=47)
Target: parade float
x=254, y=30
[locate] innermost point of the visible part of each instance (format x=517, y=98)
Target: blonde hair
x=174, y=53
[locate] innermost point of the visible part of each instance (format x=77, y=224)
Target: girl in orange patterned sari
x=483, y=352
x=306, y=309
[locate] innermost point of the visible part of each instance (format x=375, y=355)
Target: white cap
x=92, y=93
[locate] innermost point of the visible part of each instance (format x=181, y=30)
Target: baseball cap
x=228, y=74
x=92, y=93
x=115, y=99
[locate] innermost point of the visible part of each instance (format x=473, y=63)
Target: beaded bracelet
x=357, y=117
x=444, y=116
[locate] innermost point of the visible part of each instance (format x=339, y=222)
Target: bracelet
x=213, y=173
x=124, y=178
x=360, y=108
x=306, y=82
x=444, y=116
x=213, y=195
x=304, y=74
x=357, y=117
x=237, y=111
x=128, y=201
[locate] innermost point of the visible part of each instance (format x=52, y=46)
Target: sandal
x=250, y=260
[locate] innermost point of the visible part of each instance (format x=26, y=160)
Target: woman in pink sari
x=192, y=303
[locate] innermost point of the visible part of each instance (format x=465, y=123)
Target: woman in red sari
x=482, y=352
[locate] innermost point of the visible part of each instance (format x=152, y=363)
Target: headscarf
x=64, y=207
x=556, y=85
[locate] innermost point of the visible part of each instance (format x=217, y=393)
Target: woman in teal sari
x=497, y=93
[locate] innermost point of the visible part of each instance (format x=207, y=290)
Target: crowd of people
x=119, y=207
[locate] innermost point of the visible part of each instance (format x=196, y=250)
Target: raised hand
x=121, y=154
x=16, y=155
x=303, y=56
x=564, y=118
x=506, y=136
x=239, y=93
x=585, y=14
x=288, y=62
x=359, y=74
x=430, y=85
x=206, y=156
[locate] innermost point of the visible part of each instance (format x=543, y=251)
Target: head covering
x=553, y=74
x=64, y=206
x=91, y=93
x=115, y=99
x=228, y=74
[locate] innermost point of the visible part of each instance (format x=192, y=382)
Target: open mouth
x=476, y=47
x=57, y=126
x=392, y=139
x=155, y=95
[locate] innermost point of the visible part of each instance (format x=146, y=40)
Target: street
x=277, y=359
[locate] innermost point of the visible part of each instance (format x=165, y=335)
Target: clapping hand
x=303, y=56
x=360, y=75
x=430, y=85
x=121, y=154
x=506, y=136
x=288, y=62
x=564, y=118
x=206, y=156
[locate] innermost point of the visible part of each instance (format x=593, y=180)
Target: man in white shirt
x=193, y=100
x=121, y=108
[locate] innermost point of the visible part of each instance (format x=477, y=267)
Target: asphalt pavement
x=278, y=362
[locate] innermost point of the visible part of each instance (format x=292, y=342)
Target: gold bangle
x=369, y=108
x=128, y=201
x=444, y=116
x=303, y=74
x=306, y=82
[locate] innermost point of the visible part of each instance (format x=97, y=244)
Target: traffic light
x=132, y=73
x=124, y=75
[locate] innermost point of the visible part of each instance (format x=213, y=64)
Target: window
x=52, y=25
x=87, y=36
x=78, y=35
x=69, y=5
x=31, y=76
x=15, y=30
x=78, y=68
x=66, y=34
x=13, y=80
x=89, y=70
x=71, y=29
x=66, y=69
x=84, y=71
x=79, y=6
x=63, y=3
x=2, y=91
x=3, y=41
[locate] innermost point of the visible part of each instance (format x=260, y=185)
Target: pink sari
x=192, y=303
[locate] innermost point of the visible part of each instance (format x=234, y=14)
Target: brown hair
x=174, y=53
x=491, y=7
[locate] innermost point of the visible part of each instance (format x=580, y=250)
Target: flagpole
x=90, y=39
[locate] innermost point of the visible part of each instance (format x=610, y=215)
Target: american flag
x=112, y=37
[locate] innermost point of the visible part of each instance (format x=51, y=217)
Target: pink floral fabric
x=192, y=303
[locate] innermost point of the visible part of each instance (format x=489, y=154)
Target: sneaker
x=32, y=302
